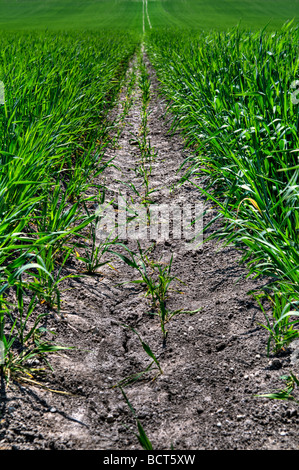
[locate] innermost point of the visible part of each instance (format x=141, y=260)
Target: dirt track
x=213, y=363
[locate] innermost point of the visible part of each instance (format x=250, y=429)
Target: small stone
x=239, y=417
x=291, y=413
x=276, y=364
x=248, y=422
x=220, y=346
x=53, y=410
x=110, y=418
x=95, y=330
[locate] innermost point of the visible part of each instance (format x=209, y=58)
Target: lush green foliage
x=53, y=132
x=230, y=94
x=70, y=15
x=127, y=14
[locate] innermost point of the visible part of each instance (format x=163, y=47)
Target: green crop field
x=95, y=14
x=228, y=72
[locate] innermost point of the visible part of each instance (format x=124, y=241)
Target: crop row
x=231, y=96
x=54, y=129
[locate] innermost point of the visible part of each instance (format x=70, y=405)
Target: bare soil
x=214, y=361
